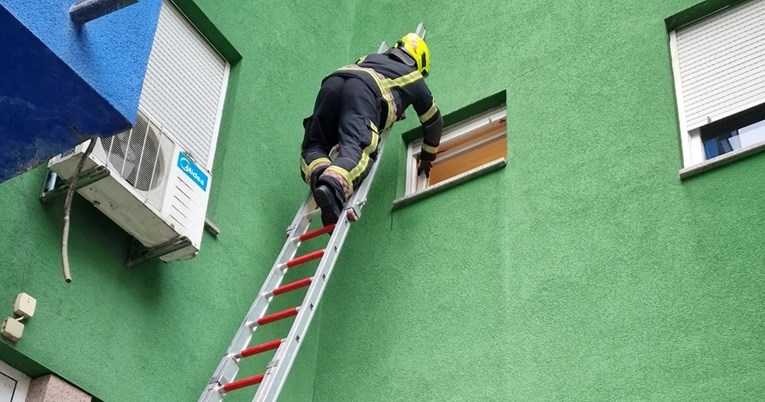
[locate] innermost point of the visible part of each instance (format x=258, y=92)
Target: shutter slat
x=722, y=63
x=723, y=22
x=729, y=107
x=754, y=67
x=183, y=84
x=694, y=60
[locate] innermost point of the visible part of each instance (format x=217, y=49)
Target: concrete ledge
x=469, y=175
x=50, y=388
x=721, y=160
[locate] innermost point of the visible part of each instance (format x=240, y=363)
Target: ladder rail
x=283, y=359
x=276, y=373
x=272, y=381
x=229, y=365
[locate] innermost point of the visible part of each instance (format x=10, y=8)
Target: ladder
x=271, y=381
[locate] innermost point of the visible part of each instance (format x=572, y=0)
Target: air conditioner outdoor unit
x=154, y=190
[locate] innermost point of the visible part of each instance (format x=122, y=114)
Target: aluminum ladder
x=272, y=380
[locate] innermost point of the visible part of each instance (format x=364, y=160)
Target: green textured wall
x=583, y=270
x=156, y=333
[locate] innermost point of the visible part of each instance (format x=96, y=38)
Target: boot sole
x=325, y=200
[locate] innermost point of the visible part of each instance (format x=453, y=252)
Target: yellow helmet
x=418, y=49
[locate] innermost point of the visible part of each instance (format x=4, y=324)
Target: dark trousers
x=346, y=113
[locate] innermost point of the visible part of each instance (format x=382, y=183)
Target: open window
x=468, y=149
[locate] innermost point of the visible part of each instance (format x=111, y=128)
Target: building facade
x=595, y=262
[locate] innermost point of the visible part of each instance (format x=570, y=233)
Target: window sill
x=721, y=160
x=459, y=179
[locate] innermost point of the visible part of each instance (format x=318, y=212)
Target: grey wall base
x=50, y=388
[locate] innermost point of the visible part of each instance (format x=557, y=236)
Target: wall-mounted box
x=12, y=329
x=25, y=305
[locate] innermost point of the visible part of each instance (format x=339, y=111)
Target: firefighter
x=355, y=103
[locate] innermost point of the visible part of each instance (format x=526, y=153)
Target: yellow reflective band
x=385, y=85
x=430, y=113
x=427, y=148
x=361, y=60
x=307, y=169
x=387, y=95
x=403, y=80
x=304, y=169
x=344, y=174
x=364, y=161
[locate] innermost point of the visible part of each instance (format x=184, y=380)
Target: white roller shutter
x=185, y=85
x=722, y=63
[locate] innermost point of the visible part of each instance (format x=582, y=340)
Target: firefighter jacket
x=395, y=79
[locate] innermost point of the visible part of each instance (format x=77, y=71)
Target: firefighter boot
x=330, y=200
x=314, y=178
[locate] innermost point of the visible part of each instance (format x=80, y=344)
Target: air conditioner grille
x=141, y=156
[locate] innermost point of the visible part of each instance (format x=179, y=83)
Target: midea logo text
x=186, y=166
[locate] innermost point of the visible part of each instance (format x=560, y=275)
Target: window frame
x=487, y=118
x=692, y=146
x=23, y=381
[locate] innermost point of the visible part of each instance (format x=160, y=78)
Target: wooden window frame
x=455, y=143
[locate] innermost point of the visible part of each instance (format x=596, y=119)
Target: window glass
x=7, y=388
x=737, y=132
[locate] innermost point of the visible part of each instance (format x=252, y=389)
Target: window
x=14, y=385
x=468, y=149
x=719, y=68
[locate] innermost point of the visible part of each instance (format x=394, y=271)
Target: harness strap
x=386, y=85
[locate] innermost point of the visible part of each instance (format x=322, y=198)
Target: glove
x=424, y=166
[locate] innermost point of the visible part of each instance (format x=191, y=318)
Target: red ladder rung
x=253, y=350
x=292, y=286
x=278, y=316
x=244, y=382
x=318, y=232
x=305, y=258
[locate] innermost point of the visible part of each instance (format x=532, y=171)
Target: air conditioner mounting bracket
x=53, y=186
x=140, y=253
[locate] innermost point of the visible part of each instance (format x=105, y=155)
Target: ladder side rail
x=228, y=367
x=276, y=373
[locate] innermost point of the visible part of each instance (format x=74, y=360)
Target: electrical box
x=12, y=329
x=25, y=305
